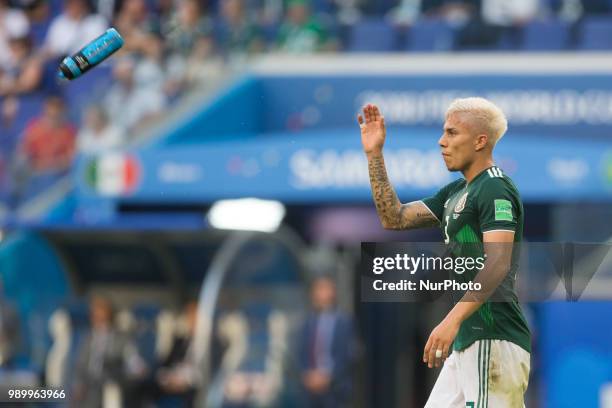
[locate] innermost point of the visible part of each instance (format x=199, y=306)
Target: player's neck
x=476, y=168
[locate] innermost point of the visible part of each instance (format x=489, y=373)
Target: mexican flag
x=113, y=174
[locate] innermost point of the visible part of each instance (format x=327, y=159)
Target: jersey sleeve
x=436, y=202
x=498, y=206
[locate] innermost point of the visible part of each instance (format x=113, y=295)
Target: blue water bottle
x=91, y=55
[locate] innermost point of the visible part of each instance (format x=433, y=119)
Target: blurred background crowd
x=174, y=46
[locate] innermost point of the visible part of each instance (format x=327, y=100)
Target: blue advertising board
x=542, y=105
x=324, y=167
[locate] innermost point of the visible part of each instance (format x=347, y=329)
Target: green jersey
x=466, y=211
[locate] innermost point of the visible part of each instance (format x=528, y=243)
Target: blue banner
x=544, y=104
x=323, y=167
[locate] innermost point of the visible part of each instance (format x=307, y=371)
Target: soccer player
x=490, y=360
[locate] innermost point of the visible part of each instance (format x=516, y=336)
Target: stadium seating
x=372, y=35
x=549, y=35
x=596, y=34
x=430, y=35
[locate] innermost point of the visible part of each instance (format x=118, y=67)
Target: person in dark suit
x=105, y=357
x=178, y=375
x=327, y=349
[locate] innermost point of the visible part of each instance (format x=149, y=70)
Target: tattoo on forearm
x=385, y=199
x=412, y=216
x=392, y=213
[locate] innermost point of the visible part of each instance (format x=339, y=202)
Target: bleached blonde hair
x=491, y=119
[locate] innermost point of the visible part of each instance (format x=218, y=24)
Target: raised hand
x=373, y=131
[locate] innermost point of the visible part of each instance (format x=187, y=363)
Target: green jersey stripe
x=485, y=376
x=495, y=172
x=479, y=374
x=488, y=358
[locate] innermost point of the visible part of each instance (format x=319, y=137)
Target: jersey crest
x=461, y=203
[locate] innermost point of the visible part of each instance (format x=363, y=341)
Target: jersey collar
x=478, y=175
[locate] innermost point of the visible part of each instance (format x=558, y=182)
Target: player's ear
x=481, y=142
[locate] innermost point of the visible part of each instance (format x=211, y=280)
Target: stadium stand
x=550, y=35
x=373, y=35
x=596, y=34
x=430, y=35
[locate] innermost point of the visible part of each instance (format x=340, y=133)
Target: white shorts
x=489, y=373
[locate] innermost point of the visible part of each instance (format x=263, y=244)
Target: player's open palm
x=373, y=132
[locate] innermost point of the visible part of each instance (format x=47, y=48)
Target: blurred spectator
x=327, y=349
x=189, y=29
x=106, y=359
x=568, y=10
x=48, y=142
x=237, y=35
x=38, y=12
x=131, y=102
x=455, y=12
x=9, y=330
x=73, y=28
x=13, y=24
x=267, y=12
x=135, y=22
x=98, y=134
x=189, y=39
x=178, y=374
x=503, y=21
x=45, y=152
x=347, y=11
x=499, y=24
x=503, y=13
x=144, y=46
x=23, y=71
x=301, y=32
x=106, y=8
x=406, y=12
x=148, y=71
x=164, y=10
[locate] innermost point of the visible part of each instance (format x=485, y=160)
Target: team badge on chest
x=461, y=203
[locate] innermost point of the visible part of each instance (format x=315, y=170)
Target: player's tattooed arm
x=392, y=213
